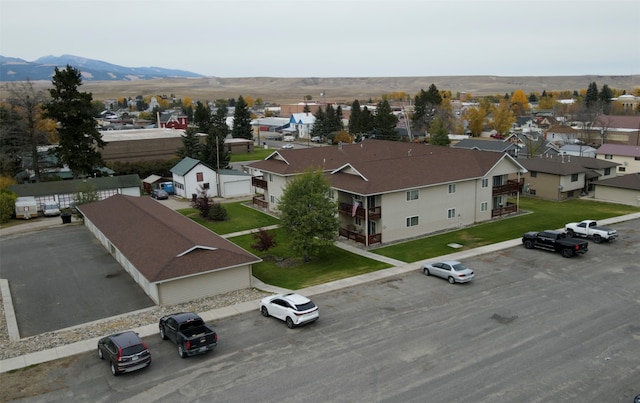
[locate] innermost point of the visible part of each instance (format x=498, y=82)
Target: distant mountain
x=14, y=69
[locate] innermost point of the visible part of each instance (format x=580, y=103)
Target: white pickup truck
x=590, y=228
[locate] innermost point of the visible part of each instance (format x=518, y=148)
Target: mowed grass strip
x=280, y=268
x=537, y=215
x=241, y=217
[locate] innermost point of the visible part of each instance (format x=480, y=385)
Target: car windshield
x=306, y=307
x=460, y=267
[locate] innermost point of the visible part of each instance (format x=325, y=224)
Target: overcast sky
x=333, y=38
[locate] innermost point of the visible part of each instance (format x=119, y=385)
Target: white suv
x=292, y=308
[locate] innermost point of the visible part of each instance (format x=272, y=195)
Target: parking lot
x=533, y=326
x=61, y=277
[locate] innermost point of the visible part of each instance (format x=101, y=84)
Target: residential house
x=627, y=156
x=623, y=189
x=563, y=176
x=190, y=176
x=489, y=145
x=173, y=259
x=64, y=193
x=301, y=123
x=616, y=129
x=173, y=121
x=389, y=191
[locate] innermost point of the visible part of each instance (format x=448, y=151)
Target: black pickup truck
x=555, y=241
x=189, y=332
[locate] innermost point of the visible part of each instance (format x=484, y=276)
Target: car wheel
x=597, y=238
x=181, y=352
x=528, y=244
x=451, y=280
x=566, y=252
x=426, y=271
x=289, y=323
x=264, y=311
x=100, y=353
x=570, y=233
x=162, y=335
x=114, y=370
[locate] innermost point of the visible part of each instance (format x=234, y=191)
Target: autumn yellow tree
x=343, y=137
x=502, y=117
x=187, y=102
x=475, y=117
x=519, y=102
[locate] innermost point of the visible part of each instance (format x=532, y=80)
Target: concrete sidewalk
x=213, y=315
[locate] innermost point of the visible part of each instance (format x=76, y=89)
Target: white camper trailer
x=26, y=207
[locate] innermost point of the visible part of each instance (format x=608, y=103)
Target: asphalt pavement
x=216, y=314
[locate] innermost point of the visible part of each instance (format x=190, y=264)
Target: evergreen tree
x=78, y=136
x=604, y=97
x=214, y=153
x=309, y=214
x=332, y=121
x=439, y=135
x=242, y=121
x=354, y=120
x=12, y=141
x=202, y=117
x=591, y=97
x=191, y=146
x=320, y=127
x=425, y=106
x=367, y=121
x=385, y=122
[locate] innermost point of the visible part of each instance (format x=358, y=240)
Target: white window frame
x=410, y=221
x=413, y=194
x=485, y=182
x=452, y=188
x=484, y=206
x=451, y=213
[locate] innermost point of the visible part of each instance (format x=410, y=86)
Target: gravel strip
x=45, y=341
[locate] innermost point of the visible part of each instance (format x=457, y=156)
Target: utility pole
x=218, y=166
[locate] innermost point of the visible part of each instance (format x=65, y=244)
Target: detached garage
x=172, y=258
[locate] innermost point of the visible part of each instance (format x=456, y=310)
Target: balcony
x=358, y=237
x=511, y=187
x=374, y=213
x=510, y=208
x=258, y=182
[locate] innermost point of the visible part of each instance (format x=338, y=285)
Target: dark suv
x=125, y=351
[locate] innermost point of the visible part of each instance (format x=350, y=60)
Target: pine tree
x=591, y=97
x=320, y=127
x=191, y=146
x=438, y=136
x=354, y=120
x=385, y=122
x=202, y=117
x=241, y=121
x=79, y=138
x=214, y=153
x=604, y=97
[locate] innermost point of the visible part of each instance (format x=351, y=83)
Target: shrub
x=265, y=240
x=217, y=212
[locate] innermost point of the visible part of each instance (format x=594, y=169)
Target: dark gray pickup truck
x=189, y=332
x=556, y=241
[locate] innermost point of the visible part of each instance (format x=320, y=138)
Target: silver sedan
x=452, y=270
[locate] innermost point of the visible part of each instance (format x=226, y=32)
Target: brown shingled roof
x=161, y=243
x=566, y=165
x=384, y=166
x=629, y=181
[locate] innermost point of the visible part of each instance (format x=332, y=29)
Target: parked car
x=125, y=351
x=159, y=194
x=292, y=308
x=51, y=209
x=590, y=228
x=556, y=241
x=452, y=270
x=316, y=139
x=289, y=146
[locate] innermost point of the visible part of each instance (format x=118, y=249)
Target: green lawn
x=543, y=215
x=241, y=218
x=281, y=269
x=256, y=155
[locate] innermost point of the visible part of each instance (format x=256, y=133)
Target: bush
x=7, y=205
x=265, y=240
x=217, y=212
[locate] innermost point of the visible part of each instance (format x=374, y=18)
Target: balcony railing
x=258, y=182
x=360, y=238
x=508, y=209
x=347, y=209
x=260, y=202
x=511, y=187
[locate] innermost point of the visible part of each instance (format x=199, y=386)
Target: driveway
x=61, y=277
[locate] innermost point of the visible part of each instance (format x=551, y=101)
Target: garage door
x=204, y=285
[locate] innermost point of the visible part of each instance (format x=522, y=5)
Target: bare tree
x=27, y=102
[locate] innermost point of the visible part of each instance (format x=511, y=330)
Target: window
x=270, y=178
x=412, y=195
x=533, y=174
x=607, y=171
x=205, y=185
x=622, y=169
x=199, y=176
x=485, y=182
x=484, y=206
x=359, y=221
x=451, y=213
x=574, y=177
x=636, y=158
x=272, y=199
x=452, y=188
x=608, y=157
x=412, y=221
